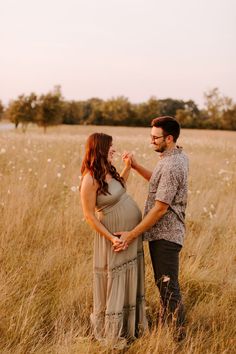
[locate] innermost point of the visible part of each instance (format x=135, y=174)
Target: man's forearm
x=143, y=171
x=153, y=216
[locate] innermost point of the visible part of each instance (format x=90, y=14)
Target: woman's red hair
x=96, y=163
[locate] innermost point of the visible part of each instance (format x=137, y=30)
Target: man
x=163, y=223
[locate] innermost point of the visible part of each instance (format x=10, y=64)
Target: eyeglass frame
x=153, y=137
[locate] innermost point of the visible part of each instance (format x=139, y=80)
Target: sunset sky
x=108, y=48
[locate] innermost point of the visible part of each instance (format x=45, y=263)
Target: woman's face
x=111, y=152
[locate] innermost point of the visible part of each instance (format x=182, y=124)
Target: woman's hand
x=117, y=243
x=116, y=240
x=127, y=158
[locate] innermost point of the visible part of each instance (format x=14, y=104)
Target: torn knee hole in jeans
x=165, y=278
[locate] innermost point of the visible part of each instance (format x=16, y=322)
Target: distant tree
x=169, y=106
x=189, y=116
x=22, y=110
x=185, y=118
x=117, y=111
x=218, y=108
x=1, y=110
x=229, y=118
x=93, y=111
x=147, y=111
x=72, y=113
x=213, y=103
x=50, y=109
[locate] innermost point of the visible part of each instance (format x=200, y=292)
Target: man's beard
x=160, y=148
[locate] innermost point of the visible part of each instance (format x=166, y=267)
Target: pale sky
x=107, y=48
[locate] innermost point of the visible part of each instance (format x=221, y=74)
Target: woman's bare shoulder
x=88, y=181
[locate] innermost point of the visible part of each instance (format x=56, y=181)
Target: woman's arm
x=134, y=164
x=126, y=171
x=88, y=199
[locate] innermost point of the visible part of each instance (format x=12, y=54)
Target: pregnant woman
x=118, y=278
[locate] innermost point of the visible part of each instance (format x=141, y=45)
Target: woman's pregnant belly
x=123, y=216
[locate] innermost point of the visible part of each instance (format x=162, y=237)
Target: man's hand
x=117, y=242
x=130, y=157
x=134, y=162
x=126, y=237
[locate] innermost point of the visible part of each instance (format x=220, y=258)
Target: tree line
x=219, y=111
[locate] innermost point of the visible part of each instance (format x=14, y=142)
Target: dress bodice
x=116, y=190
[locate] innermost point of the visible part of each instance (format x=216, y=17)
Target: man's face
x=158, y=140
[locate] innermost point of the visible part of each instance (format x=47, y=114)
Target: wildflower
x=221, y=171
x=73, y=188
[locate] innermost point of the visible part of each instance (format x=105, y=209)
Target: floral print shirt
x=169, y=185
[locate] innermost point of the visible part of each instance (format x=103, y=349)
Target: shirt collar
x=176, y=150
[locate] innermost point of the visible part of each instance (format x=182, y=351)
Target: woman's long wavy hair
x=96, y=163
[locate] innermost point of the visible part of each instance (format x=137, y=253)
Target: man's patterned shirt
x=168, y=184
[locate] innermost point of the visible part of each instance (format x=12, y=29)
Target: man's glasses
x=153, y=137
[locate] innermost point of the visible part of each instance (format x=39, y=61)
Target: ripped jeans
x=165, y=262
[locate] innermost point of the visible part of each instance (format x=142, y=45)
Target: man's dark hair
x=169, y=125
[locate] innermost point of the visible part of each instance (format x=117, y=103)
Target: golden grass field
x=46, y=246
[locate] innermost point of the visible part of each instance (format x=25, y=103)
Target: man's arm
x=152, y=217
x=166, y=191
x=140, y=169
x=143, y=171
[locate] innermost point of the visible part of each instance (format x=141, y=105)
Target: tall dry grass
x=46, y=247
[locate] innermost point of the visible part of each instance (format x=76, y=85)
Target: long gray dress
x=119, y=304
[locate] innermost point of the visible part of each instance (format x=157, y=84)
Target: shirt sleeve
x=168, y=185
